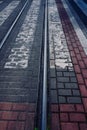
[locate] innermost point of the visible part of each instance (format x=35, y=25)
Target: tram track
x=23, y=66
x=12, y=25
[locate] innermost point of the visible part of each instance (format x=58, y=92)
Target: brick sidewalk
x=68, y=74
x=17, y=116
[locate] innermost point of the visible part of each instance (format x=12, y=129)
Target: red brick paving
x=17, y=116
x=72, y=116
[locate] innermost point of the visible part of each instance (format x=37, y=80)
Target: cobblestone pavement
x=68, y=69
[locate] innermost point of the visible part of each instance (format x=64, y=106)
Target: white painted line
x=21, y=50
x=5, y=13
x=77, y=29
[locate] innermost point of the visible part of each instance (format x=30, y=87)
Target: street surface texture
x=20, y=61
x=19, y=65
x=68, y=69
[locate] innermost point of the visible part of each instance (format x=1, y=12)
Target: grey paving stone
x=69, y=74
x=13, y=98
x=53, y=94
x=71, y=85
x=73, y=79
x=60, y=85
x=32, y=96
x=59, y=74
x=76, y=92
x=62, y=70
x=73, y=99
x=52, y=72
x=53, y=83
x=64, y=92
x=63, y=79
x=52, y=64
x=62, y=99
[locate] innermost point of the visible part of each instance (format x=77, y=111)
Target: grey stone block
x=73, y=79
x=69, y=74
x=53, y=83
x=52, y=72
x=71, y=85
x=53, y=95
x=73, y=99
x=62, y=99
x=63, y=79
x=59, y=74
x=76, y=92
x=65, y=92
x=60, y=85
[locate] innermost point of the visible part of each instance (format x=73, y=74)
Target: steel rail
x=12, y=26
x=44, y=97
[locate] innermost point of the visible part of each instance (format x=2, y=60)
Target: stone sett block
x=30, y=121
x=83, y=126
x=80, y=48
x=55, y=121
x=70, y=47
x=79, y=56
x=52, y=72
x=76, y=92
x=77, y=117
x=53, y=83
x=73, y=79
x=80, y=79
x=71, y=85
x=69, y=126
x=83, y=90
x=79, y=108
x=54, y=108
x=5, y=106
x=67, y=108
x=77, y=69
x=75, y=61
x=3, y=125
x=53, y=95
x=84, y=72
x=52, y=64
x=19, y=106
x=67, y=74
x=64, y=117
x=59, y=74
x=9, y=115
x=85, y=61
x=73, y=99
x=60, y=85
x=85, y=104
x=63, y=79
x=20, y=125
x=22, y=116
x=64, y=92
x=76, y=50
x=74, y=45
x=62, y=99
x=86, y=82
x=81, y=64
x=83, y=54
x=72, y=53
